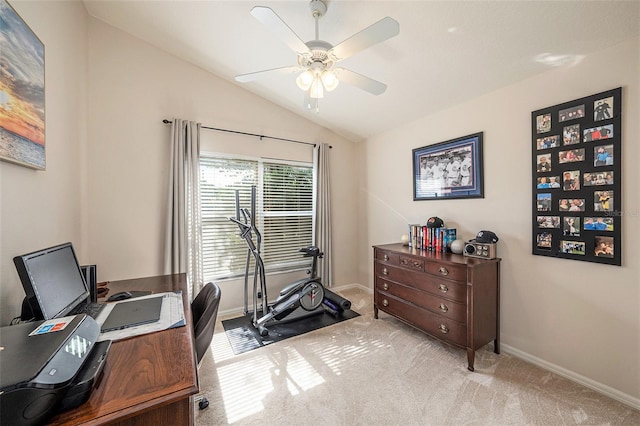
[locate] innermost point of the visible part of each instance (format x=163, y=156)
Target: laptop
x=54, y=283
x=130, y=313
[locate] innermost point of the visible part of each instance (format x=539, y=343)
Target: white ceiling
x=447, y=51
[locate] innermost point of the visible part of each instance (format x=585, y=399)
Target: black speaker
x=28, y=313
x=90, y=273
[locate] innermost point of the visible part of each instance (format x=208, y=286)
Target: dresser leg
x=496, y=345
x=375, y=312
x=471, y=355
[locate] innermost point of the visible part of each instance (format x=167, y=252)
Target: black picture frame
x=449, y=170
x=577, y=177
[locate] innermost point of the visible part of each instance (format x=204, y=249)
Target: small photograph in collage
x=603, y=155
x=571, y=226
x=604, y=246
x=544, y=163
x=543, y=123
x=598, y=178
x=571, y=156
x=548, y=142
x=544, y=241
x=598, y=133
x=603, y=201
x=548, y=182
x=603, y=109
x=571, y=134
x=544, y=202
x=549, y=222
x=571, y=205
x=571, y=113
x=571, y=180
x=572, y=247
x=598, y=224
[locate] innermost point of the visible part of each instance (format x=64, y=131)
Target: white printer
x=48, y=366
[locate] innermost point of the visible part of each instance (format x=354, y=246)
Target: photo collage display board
x=576, y=156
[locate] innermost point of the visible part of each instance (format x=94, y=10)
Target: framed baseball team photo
x=450, y=169
x=576, y=186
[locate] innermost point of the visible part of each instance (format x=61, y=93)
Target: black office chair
x=204, y=310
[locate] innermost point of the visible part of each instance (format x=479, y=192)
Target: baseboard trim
x=352, y=286
x=574, y=377
x=236, y=312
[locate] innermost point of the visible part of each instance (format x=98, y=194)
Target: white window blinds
x=284, y=213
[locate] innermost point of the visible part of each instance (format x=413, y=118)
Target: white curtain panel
x=323, y=213
x=183, y=249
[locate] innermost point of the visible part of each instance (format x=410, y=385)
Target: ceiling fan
x=316, y=58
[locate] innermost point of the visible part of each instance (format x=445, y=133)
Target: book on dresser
x=451, y=297
x=435, y=239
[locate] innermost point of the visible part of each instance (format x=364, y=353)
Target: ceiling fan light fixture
x=329, y=79
x=305, y=79
x=316, y=90
x=316, y=58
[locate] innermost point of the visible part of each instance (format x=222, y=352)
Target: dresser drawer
x=396, y=259
x=454, y=310
x=449, y=271
x=430, y=283
x=440, y=327
x=387, y=257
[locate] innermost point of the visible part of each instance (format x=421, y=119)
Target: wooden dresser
x=449, y=296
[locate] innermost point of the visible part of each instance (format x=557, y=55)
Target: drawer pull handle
x=385, y=286
x=411, y=263
x=443, y=288
x=385, y=271
x=385, y=302
x=386, y=257
x=443, y=307
x=443, y=328
x=443, y=270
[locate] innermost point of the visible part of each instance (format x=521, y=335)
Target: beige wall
x=132, y=87
x=43, y=208
x=578, y=316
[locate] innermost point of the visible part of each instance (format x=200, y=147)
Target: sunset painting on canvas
x=22, y=131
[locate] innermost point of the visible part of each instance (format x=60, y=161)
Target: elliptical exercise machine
x=307, y=293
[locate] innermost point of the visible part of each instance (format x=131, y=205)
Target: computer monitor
x=52, y=281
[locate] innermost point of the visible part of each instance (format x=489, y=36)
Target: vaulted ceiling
x=446, y=52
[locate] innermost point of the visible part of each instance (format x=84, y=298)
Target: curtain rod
x=165, y=121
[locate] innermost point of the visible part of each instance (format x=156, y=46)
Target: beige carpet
x=381, y=372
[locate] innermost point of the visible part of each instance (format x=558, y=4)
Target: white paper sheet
x=171, y=315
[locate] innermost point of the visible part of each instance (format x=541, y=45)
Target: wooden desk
x=148, y=379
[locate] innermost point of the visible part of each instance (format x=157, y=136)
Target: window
x=284, y=213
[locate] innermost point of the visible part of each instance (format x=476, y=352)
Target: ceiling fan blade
x=277, y=26
x=252, y=76
x=382, y=30
x=360, y=81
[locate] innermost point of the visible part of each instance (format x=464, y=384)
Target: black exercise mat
x=243, y=337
